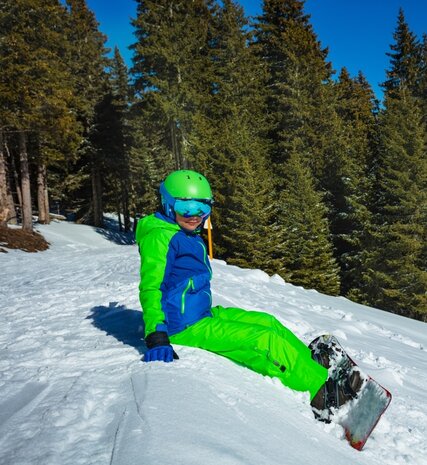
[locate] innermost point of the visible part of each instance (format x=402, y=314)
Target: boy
x=176, y=298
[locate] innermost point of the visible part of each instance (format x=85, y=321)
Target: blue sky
x=358, y=33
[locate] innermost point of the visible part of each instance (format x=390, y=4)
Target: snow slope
x=73, y=388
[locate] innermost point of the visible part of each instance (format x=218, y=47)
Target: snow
x=73, y=388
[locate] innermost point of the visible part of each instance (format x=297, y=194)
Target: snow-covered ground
x=73, y=388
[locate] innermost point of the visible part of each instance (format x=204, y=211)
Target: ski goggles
x=193, y=207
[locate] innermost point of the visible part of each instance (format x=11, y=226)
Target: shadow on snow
x=112, y=233
x=125, y=324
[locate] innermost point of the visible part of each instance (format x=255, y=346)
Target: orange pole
x=210, y=238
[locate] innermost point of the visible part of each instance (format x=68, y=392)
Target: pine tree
x=149, y=163
x=422, y=97
x=347, y=182
x=306, y=255
x=405, y=59
x=170, y=64
x=245, y=233
x=297, y=70
x=227, y=138
x=119, y=139
x=87, y=62
x=421, y=91
x=396, y=276
x=35, y=88
x=302, y=117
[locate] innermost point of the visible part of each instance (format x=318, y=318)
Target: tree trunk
x=42, y=194
x=184, y=162
x=97, y=196
x=4, y=208
x=27, y=214
x=119, y=212
x=17, y=186
x=118, y=195
x=46, y=198
x=126, y=214
x=9, y=164
x=12, y=218
x=175, y=145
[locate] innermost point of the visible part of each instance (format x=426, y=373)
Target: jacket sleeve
x=155, y=253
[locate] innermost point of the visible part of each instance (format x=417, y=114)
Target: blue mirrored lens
x=189, y=208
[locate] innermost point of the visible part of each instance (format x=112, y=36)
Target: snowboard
x=352, y=398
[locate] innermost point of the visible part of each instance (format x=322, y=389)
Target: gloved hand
x=159, y=348
x=159, y=354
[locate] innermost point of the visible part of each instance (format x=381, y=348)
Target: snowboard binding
x=366, y=399
x=343, y=384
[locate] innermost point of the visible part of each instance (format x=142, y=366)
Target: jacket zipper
x=205, y=254
x=190, y=284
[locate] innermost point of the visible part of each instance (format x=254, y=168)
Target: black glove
x=159, y=348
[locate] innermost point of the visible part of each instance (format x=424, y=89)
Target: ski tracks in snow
x=74, y=390
x=365, y=339
x=60, y=375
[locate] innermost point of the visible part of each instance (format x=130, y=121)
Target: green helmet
x=184, y=184
x=187, y=184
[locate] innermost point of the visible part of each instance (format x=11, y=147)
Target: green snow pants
x=258, y=341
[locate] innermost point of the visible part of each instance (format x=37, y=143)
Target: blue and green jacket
x=174, y=290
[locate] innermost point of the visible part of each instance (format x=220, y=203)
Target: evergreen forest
x=313, y=178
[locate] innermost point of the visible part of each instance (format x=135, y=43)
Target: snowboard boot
x=342, y=385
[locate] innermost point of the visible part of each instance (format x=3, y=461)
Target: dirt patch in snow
x=13, y=238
